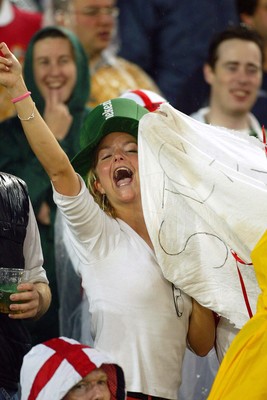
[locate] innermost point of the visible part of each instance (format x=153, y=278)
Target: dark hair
x=241, y=32
x=54, y=33
x=246, y=6
x=50, y=32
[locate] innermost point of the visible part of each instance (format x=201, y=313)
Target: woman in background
x=56, y=73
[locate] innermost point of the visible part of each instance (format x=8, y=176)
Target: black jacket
x=14, y=215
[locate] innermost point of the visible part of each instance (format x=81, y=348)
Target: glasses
x=94, y=12
x=178, y=300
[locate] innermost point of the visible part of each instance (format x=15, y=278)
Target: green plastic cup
x=10, y=278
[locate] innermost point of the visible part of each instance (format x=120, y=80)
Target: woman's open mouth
x=122, y=176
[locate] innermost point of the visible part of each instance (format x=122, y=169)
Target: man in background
x=233, y=71
x=94, y=22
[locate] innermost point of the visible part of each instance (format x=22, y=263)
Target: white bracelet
x=30, y=117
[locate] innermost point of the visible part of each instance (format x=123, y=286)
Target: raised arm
x=40, y=138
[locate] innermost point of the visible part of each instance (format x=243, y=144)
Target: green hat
x=116, y=115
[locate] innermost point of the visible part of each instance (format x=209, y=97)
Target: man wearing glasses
x=95, y=24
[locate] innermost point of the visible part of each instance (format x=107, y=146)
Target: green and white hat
x=116, y=115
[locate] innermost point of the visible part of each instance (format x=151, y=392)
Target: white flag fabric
x=204, y=198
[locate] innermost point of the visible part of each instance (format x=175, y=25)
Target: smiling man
x=234, y=72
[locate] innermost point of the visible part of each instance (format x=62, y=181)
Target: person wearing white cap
x=63, y=368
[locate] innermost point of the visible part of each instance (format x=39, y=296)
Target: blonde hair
x=99, y=198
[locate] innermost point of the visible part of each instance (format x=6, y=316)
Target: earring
x=103, y=201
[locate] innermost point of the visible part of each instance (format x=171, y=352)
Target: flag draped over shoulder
x=204, y=198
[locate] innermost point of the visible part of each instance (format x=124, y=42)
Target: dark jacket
x=15, y=341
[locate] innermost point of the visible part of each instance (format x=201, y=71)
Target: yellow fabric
x=243, y=372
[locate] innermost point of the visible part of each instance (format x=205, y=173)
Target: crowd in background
x=156, y=46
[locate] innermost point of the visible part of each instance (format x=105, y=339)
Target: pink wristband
x=19, y=98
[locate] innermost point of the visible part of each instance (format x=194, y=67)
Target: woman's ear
x=98, y=187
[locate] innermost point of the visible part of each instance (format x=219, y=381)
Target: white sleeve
x=32, y=250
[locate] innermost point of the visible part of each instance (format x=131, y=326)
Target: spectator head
x=55, y=62
x=241, y=33
x=117, y=115
x=234, y=70
x=94, y=22
x=62, y=368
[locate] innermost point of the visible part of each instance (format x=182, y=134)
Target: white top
x=200, y=115
x=132, y=306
